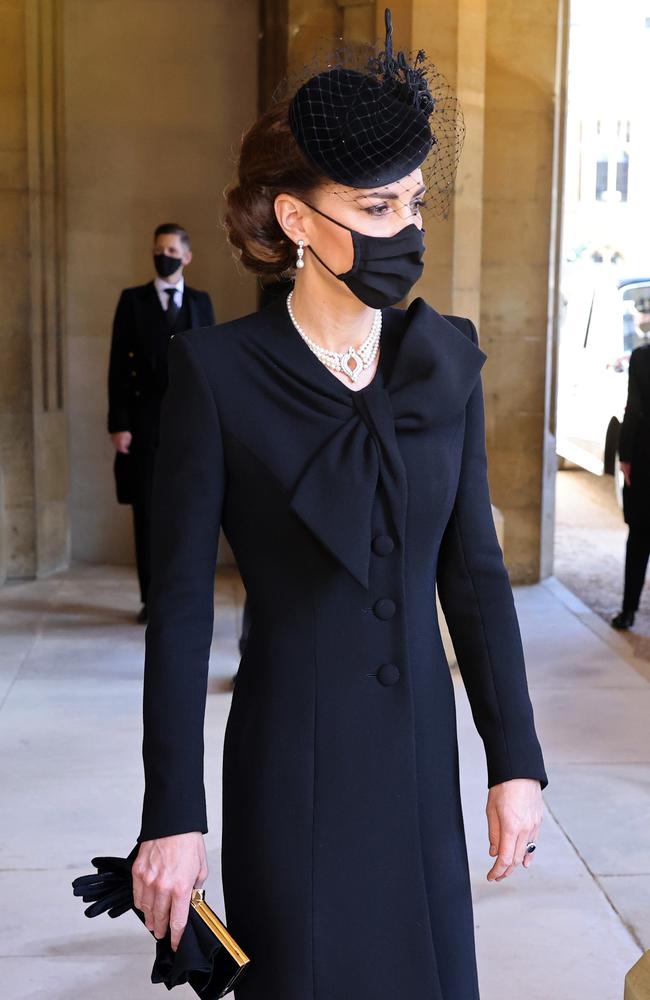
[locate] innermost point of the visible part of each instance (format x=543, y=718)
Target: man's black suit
x=634, y=447
x=137, y=381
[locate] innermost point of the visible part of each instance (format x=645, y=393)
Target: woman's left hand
x=515, y=809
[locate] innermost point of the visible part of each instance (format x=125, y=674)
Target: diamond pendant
x=351, y=355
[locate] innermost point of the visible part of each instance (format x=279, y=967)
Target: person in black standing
x=343, y=857
x=634, y=455
x=145, y=319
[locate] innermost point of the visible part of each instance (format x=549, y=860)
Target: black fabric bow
x=433, y=376
x=200, y=960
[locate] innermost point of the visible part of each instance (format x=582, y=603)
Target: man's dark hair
x=171, y=228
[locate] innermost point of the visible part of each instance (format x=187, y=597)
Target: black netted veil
x=367, y=118
x=356, y=131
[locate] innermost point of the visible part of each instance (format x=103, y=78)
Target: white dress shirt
x=162, y=283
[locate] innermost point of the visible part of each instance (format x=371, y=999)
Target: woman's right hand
x=164, y=873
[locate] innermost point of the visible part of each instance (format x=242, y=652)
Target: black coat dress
x=634, y=440
x=344, y=860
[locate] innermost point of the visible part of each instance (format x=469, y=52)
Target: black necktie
x=173, y=308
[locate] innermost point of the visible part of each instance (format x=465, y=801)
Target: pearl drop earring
x=301, y=253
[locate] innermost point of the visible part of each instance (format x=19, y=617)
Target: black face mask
x=166, y=265
x=384, y=268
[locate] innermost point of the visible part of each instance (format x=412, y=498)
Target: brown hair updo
x=270, y=163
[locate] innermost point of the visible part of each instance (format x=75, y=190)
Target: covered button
x=382, y=545
x=384, y=608
x=388, y=674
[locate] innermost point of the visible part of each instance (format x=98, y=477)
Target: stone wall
x=524, y=81
x=34, y=519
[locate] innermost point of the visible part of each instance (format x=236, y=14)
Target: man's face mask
x=384, y=268
x=166, y=265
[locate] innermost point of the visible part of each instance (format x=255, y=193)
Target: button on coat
x=388, y=674
x=382, y=545
x=384, y=608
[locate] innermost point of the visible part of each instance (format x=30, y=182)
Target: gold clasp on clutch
x=217, y=927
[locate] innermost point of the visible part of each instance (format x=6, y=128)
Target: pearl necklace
x=340, y=360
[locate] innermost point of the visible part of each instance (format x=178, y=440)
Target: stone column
x=468, y=202
x=47, y=299
x=33, y=452
x=16, y=524
x=516, y=319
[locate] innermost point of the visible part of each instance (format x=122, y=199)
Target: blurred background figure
x=634, y=455
x=145, y=319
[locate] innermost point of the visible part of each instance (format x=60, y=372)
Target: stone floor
x=70, y=702
x=589, y=555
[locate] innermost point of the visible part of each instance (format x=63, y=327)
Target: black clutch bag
x=207, y=958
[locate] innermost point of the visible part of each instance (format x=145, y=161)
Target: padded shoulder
x=465, y=325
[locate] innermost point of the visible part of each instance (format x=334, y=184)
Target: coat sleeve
x=118, y=381
x=633, y=410
x=477, y=600
x=187, y=498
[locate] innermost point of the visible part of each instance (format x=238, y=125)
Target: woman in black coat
x=346, y=494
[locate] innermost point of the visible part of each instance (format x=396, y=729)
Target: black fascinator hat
x=369, y=118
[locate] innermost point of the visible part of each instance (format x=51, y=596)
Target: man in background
x=145, y=319
x=634, y=457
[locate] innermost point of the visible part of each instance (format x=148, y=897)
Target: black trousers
x=637, y=551
x=143, y=474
